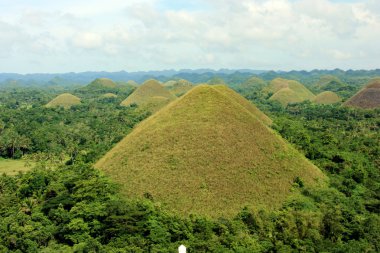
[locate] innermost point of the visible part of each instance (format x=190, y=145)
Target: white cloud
x=149, y=34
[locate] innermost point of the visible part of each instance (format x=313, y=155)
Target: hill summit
x=102, y=83
x=207, y=153
x=288, y=91
x=150, y=95
x=368, y=97
x=65, y=100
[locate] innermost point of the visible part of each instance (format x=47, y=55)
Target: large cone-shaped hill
x=327, y=97
x=288, y=91
x=368, y=97
x=65, y=100
x=178, y=87
x=151, y=95
x=207, y=153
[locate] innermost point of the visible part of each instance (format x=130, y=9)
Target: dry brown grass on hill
x=109, y=95
x=207, y=153
x=151, y=95
x=327, y=97
x=65, y=100
x=368, y=97
x=245, y=103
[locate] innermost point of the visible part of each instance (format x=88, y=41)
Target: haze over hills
x=151, y=95
x=195, y=76
x=368, y=97
x=207, y=153
x=65, y=100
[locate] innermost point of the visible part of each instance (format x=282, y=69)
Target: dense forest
x=63, y=204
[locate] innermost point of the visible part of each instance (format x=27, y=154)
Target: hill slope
x=368, y=97
x=150, y=95
x=206, y=153
x=288, y=91
x=65, y=100
x=327, y=97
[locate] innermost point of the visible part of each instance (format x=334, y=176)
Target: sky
x=44, y=36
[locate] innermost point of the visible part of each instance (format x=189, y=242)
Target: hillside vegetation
x=151, y=95
x=368, y=97
x=206, y=153
x=65, y=100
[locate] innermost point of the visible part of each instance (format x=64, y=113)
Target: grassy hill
x=102, y=83
x=207, y=153
x=151, y=95
x=327, y=97
x=178, y=87
x=288, y=91
x=103, y=86
x=329, y=82
x=253, y=84
x=65, y=100
x=368, y=97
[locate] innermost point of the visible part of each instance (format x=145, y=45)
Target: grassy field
x=207, y=153
x=151, y=95
x=12, y=167
x=327, y=97
x=65, y=100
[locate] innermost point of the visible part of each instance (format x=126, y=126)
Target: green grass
x=65, y=100
x=207, y=153
x=12, y=167
x=288, y=91
x=327, y=97
x=151, y=95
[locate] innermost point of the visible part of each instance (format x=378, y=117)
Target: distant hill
x=178, y=87
x=288, y=91
x=65, y=100
x=368, y=97
x=151, y=95
x=109, y=95
x=207, y=153
x=327, y=97
x=215, y=81
x=102, y=83
x=253, y=84
x=103, y=86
